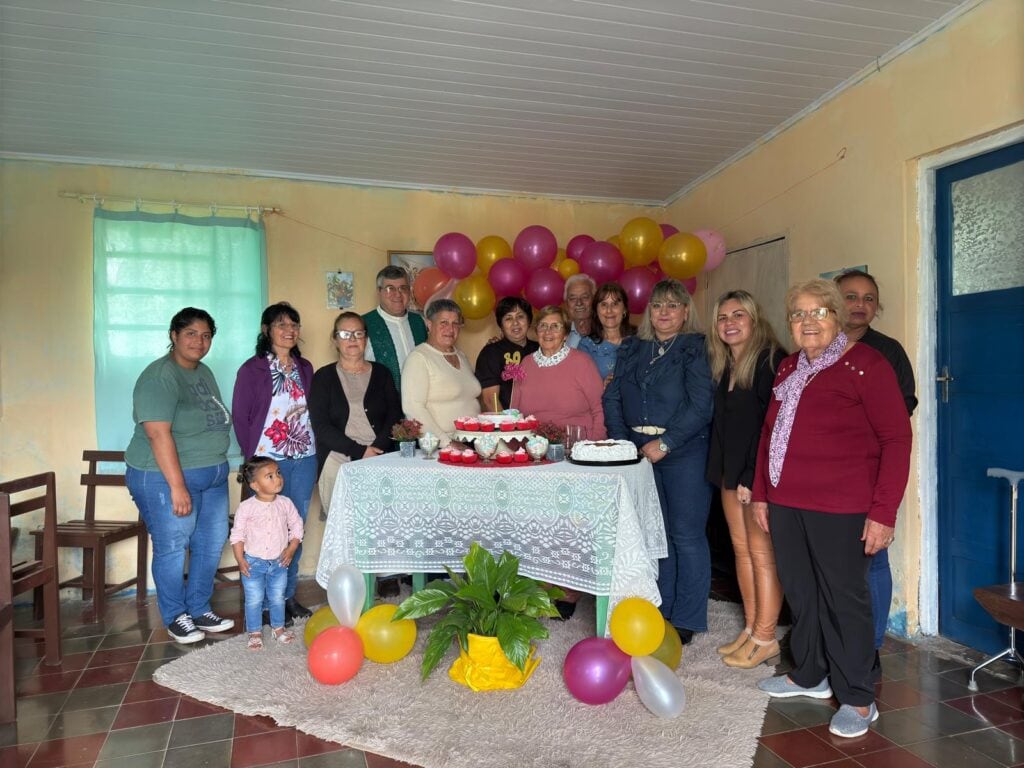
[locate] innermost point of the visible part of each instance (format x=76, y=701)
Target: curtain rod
x=98, y=199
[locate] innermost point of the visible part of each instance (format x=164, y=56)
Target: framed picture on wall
x=413, y=262
x=340, y=289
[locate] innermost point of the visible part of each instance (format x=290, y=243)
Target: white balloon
x=346, y=593
x=658, y=687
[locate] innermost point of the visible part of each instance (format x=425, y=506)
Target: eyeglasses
x=671, y=306
x=346, y=335
x=549, y=326
x=287, y=326
x=799, y=315
x=391, y=290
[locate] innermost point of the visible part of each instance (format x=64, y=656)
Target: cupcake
x=469, y=457
x=522, y=425
x=504, y=458
x=520, y=457
x=487, y=426
x=471, y=425
x=508, y=426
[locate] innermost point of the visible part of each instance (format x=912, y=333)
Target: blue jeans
x=299, y=478
x=265, y=582
x=201, y=534
x=880, y=585
x=684, y=577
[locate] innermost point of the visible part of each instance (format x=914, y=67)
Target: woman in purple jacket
x=271, y=418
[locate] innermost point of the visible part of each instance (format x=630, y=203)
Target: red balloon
x=544, y=287
x=428, y=282
x=637, y=282
x=602, y=261
x=507, y=277
x=535, y=247
x=574, y=248
x=455, y=255
x=668, y=230
x=595, y=670
x=690, y=285
x=335, y=655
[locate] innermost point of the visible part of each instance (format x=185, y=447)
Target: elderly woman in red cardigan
x=832, y=467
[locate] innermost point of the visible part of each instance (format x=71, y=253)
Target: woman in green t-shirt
x=177, y=475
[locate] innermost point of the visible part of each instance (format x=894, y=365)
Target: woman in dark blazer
x=353, y=405
x=744, y=354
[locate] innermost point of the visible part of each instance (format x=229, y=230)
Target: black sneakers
x=293, y=609
x=211, y=622
x=183, y=630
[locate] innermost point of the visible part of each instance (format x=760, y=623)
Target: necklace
x=659, y=348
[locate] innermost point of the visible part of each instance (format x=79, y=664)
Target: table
x=595, y=529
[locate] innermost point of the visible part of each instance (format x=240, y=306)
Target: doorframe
x=926, y=361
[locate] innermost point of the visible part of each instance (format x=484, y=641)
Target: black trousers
x=821, y=564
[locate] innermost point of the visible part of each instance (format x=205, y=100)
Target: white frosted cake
x=604, y=450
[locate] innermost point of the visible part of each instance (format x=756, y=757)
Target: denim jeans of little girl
x=267, y=578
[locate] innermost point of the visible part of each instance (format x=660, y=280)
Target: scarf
x=788, y=393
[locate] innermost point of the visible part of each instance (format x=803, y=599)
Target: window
x=148, y=266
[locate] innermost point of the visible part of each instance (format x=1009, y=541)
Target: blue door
x=980, y=382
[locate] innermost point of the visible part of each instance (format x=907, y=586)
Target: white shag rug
x=385, y=709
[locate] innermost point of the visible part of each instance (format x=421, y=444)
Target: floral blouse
x=286, y=432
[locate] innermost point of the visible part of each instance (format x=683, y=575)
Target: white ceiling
x=612, y=99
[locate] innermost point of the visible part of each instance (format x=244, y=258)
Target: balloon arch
x=534, y=267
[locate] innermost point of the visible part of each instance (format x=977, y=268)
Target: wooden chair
x=37, y=492
x=8, y=707
x=93, y=535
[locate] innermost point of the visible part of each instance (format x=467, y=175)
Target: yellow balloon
x=682, y=256
x=568, y=268
x=670, y=652
x=559, y=258
x=384, y=640
x=616, y=241
x=638, y=628
x=639, y=241
x=474, y=296
x=491, y=249
x=321, y=619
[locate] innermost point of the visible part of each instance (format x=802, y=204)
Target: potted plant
x=494, y=615
x=555, y=435
x=405, y=433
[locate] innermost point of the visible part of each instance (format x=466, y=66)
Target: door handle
x=945, y=378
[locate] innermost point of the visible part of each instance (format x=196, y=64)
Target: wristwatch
x=662, y=447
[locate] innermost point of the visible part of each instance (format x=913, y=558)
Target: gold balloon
x=474, y=296
x=321, y=619
x=670, y=652
x=568, y=267
x=637, y=627
x=616, y=241
x=384, y=640
x=490, y=250
x=682, y=256
x=559, y=258
x=640, y=240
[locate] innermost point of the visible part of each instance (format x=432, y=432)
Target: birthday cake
x=604, y=451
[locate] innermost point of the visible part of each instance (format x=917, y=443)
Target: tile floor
x=100, y=708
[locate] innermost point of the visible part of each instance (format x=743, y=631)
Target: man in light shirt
x=393, y=331
x=579, y=298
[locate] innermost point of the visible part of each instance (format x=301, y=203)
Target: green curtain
x=148, y=266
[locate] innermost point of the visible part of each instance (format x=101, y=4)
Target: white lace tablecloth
x=595, y=529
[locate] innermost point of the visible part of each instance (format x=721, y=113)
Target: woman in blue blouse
x=609, y=326
x=661, y=397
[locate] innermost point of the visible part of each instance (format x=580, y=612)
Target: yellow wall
x=46, y=358
x=958, y=85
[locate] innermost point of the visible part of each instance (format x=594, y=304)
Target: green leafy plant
x=491, y=599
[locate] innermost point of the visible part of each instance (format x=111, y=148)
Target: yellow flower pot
x=484, y=667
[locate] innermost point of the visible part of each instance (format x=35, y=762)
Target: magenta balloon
x=535, y=247
x=574, y=248
x=507, y=277
x=668, y=230
x=595, y=670
x=544, y=287
x=637, y=282
x=602, y=261
x=690, y=284
x=455, y=255
x=715, y=245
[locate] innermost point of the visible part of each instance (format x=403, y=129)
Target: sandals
x=283, y=635
x=255, y=641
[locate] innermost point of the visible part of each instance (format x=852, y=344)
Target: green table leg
x=371, y=590
x=602, y=614
x=419, y=581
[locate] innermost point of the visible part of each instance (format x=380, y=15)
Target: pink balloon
x=507, y=277
x=595, y=670
x=715, y=245
x=444, y=292
x=602, y=261
x=637, y=282
x=544, y=287
x=574, y=248
x=690, y=285
x=455, y=255
x=535, y=247
x=668, y=230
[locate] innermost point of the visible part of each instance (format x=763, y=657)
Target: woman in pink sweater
x=561, y=385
